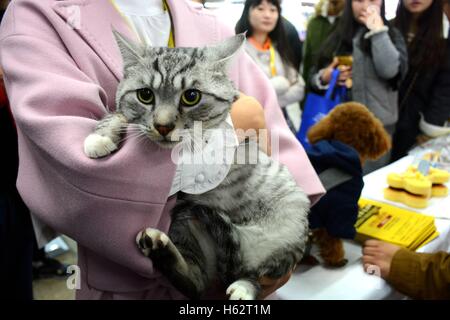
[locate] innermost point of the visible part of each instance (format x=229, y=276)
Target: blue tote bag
x=317, y=107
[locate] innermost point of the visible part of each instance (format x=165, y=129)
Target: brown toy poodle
x=354, y=125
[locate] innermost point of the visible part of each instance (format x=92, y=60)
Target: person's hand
x=372, y=19
x=328, y=71
x=345, y=73
x=378, y=254
x=270, y=285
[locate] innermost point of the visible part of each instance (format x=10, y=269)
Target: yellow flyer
x=399, y=226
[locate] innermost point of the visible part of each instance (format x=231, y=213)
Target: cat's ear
x=224, y=52
x=130, y=51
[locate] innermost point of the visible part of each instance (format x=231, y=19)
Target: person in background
x=424, y=96
x=16, y=230
x=60, y=76
x=319, y=28
x=21, y=258
x=417, y=275
x=379, y=63
x=268, y=46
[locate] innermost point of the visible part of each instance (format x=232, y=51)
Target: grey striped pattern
x=253, y=224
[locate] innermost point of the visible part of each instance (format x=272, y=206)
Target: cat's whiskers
x=227, y=180
x=131, y=128
x=133, y=136
x=135, y=126
x=122, y=131
x=265, y=233
x=141, y=138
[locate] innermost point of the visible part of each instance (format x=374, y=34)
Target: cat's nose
x=164, y=130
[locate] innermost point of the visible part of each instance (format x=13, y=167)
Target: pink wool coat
x=62, y=68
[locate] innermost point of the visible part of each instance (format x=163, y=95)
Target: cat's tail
x=222, y=230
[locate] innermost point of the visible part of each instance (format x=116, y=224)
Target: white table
x=375, y=182
x=351, y=282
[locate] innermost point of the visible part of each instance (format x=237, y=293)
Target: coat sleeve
x=389, y=55
x=307, y=53
x=285, y=147
x=296, y=91
x=294, y=94
x=421, y=275
x=102, y=204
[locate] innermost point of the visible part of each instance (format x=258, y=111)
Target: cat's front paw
x=96, y=146
x=241, y=290
x=151, y=240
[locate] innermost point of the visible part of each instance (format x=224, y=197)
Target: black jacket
x=425, y=91
x=337, y=210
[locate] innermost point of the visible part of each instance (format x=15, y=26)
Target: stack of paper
x=405, y=228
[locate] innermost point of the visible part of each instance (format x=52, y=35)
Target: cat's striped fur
x=254, y=223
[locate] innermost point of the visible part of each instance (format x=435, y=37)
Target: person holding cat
x=379, y=63
x=61, y=70
x=268, y=46
x=320, y=26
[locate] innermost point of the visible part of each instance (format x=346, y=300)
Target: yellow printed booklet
x=405, y=228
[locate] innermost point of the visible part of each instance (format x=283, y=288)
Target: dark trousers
x=16, y=247
x=16, y=230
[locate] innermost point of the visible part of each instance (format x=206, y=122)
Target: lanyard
x=266, y=46
x=171, y=42
x=273, y=69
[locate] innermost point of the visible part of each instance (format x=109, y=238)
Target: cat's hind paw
x=151, y=240
x=241, y=290
x=96, y=146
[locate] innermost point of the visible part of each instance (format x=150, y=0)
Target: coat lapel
x=90, y=19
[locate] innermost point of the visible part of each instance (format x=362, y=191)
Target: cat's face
x=165, y=90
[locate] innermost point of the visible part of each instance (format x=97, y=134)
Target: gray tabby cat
x=254, y=223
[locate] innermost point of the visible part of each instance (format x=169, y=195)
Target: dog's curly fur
x=353, y=124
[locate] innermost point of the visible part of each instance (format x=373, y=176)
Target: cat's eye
x=145, y=96
x=191, y=97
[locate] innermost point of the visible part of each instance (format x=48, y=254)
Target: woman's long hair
x=340, y=41
x=428, y=47
x=277, y=35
